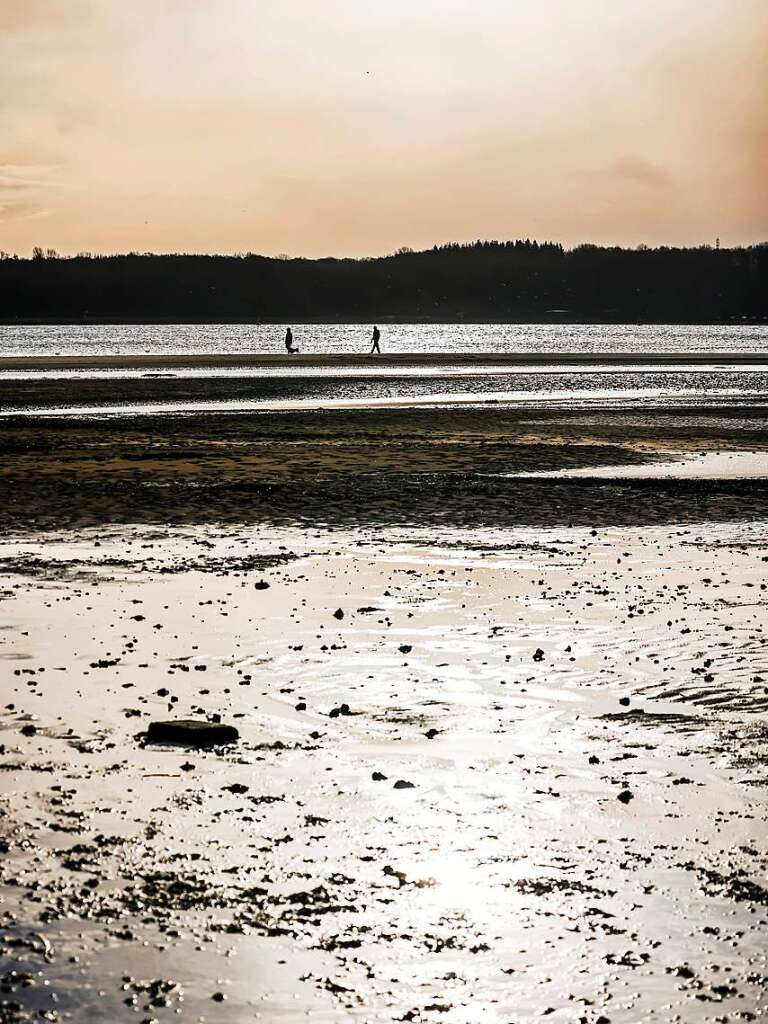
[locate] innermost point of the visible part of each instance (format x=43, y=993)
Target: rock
x=431, y=733
x=338, y=614
x=624, y=701
x=28, y=730
x=402, y=784
x=378, y=777
x=192, y=733
x=343, y=710
x=261, y=585
x=405, y=648
x=625, y=796
x=236, y=787
x=538, y=654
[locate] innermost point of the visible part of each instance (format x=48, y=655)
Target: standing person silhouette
x=375, y=338
x=289, y=342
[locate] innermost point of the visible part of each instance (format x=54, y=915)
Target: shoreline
x=345, y=360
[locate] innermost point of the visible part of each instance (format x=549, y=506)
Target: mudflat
x=391, y=359
x=500, y=737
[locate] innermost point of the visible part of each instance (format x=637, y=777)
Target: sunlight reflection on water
x=165, y=339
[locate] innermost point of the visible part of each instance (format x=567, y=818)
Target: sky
x=354, y=127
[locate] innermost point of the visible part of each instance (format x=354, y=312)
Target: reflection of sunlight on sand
x=685, y=466
x=459, y=884
x=426, y=881
x=577, y=398
x=450, y=882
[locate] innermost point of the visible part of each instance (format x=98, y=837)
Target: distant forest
x=482, y=281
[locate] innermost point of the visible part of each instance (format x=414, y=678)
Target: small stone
x=402, y=784
x=625, y=796
x=338, y=614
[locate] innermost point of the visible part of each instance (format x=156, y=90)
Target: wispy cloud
x=642, y=172
x=24, y=188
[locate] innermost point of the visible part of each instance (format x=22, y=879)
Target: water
x=129, y=391
x=211, y=339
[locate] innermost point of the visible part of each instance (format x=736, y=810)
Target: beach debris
x=192, y=733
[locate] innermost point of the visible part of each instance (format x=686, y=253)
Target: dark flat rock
x=192, y=733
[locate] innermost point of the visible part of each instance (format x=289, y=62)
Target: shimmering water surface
x=127, y=390
x=211, y=339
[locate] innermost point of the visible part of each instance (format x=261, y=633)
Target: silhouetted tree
x=513, y=280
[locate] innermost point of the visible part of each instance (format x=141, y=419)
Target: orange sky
x=352, y=127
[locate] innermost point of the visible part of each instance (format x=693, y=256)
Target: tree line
x=481, y=281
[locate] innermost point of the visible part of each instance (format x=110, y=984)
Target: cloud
x=23, y=188
x=642, y=172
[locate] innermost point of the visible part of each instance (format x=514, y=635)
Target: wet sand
x=391, y=359
x=502, y=740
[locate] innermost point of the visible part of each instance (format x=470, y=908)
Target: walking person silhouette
x=375, y=338
x=289, y=342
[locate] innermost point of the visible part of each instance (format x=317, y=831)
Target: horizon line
x=50, y=253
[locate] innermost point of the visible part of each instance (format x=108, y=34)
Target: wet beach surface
x=502, y=739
